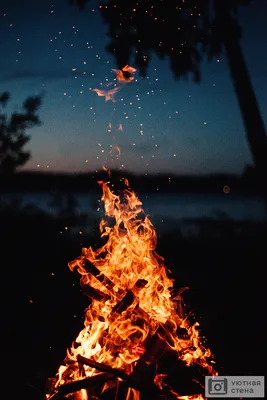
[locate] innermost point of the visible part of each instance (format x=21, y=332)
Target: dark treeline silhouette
x=163, y=182
x=13, y=136
x=184, y=32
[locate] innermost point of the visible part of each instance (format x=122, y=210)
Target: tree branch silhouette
x=13, y=137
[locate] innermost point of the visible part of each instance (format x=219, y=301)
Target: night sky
x=159, y=124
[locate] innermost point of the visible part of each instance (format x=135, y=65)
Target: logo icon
x=217, y=386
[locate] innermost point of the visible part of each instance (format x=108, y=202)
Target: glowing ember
x=125, y=74
x=132, y=307
x=108, y=94
x=115, y=150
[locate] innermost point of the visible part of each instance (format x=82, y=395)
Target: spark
x=108, y=94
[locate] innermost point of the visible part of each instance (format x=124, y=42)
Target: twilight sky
x=167, y=125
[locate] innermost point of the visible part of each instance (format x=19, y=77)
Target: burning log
x=96, y=294
x=75, y=386
x=146, y=368
x=89, y=267
x=150, y=389
x=102, y=367
x=140, y=284
x=156, y=348
x=122, y=305
x=128, y=299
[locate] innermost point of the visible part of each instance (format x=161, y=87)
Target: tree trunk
x=251, y=115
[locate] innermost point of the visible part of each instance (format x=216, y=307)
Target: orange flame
x=127, y=270
x=106, y=170
x=124, y=74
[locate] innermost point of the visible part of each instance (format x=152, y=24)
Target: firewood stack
x=144, y=378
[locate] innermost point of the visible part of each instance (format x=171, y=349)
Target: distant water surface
x=174, y=206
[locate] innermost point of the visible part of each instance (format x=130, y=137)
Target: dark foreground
x=43, y=307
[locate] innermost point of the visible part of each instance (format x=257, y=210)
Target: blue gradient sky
x=168, y=126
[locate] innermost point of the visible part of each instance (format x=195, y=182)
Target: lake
x=169, y=206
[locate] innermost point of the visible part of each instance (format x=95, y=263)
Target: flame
x=132, y=300
x=124, y=74
x=108, y=94
x=106, y=170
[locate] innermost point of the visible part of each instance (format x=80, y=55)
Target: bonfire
x=135, y=317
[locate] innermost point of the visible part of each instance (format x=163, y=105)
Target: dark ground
x=43, y=313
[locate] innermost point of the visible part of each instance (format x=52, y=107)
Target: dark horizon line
x=132, y=173
x=25, y=181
